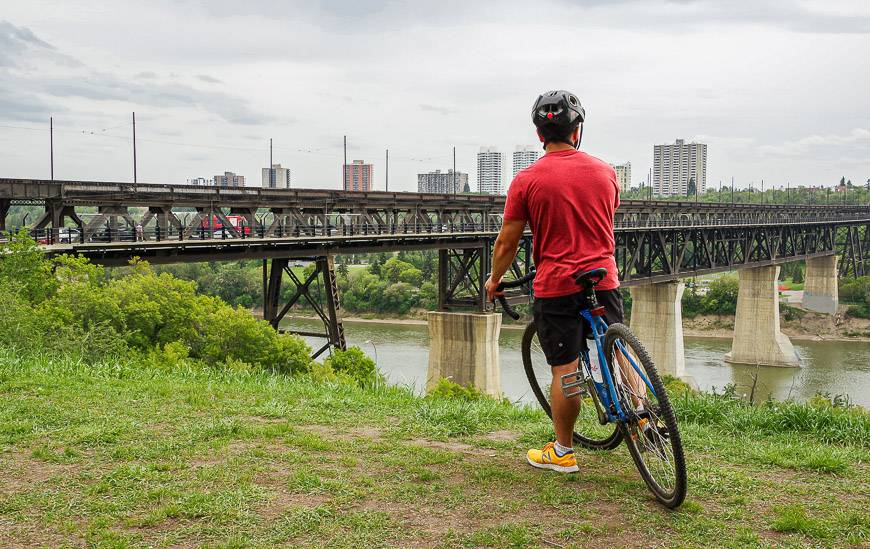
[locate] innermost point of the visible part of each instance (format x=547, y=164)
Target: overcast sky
x=779, y=89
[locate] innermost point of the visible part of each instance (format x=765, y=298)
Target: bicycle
x=642, y=415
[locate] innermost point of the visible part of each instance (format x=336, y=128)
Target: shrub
x=721, y=298
x=355, y=364
x=855, y=290
x=451, y=390
x=858, y=311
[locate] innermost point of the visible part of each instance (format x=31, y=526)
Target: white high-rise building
x=201, y=182
x=674, y=165
x=276, y=178
x=623, y=176
x=525, y=156
x=439, y=182
x=490, y=164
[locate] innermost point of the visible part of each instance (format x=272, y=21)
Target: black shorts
x=562, y=331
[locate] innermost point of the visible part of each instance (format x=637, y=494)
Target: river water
x=828, y=367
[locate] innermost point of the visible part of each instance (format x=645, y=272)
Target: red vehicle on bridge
x=238, y=222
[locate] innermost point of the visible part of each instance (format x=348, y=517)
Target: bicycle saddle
x=590, y=279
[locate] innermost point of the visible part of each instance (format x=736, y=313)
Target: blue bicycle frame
x=607, y=390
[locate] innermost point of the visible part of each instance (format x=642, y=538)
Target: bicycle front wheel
x=651, y=431
x=588, y=431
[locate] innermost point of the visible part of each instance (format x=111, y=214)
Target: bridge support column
x=820, y=285
x=757, y=338
x=657, y=320
x=463, y=347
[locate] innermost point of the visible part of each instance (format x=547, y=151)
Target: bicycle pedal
x=568, y=387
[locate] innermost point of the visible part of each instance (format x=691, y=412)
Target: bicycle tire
x=661, y=411
x=606, y=440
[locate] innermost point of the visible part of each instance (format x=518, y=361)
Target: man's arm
x=503, y=252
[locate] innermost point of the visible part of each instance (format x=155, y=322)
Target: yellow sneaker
x=547, y=459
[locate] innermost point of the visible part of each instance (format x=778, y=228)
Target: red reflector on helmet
x=597, y=311
x=549, y=116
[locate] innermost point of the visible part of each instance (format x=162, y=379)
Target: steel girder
x=328, y=312
x=648, y=255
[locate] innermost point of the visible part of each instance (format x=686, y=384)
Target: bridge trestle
x=303, y=288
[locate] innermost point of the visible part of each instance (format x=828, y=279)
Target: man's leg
x=565, y=410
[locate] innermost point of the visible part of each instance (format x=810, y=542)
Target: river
x=826, y=366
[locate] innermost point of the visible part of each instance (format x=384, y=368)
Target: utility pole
x=135, y=178
x=344, y=166
x=732, y=189
x=454, y=171
x=649, y=179
x=387, y=173
x=762, y=191
x=788, y=192
x=51, y=145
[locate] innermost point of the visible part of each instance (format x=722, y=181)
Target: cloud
x=209, y=79
x=33, y=92
x=815, y=145
x=433, y=108
x=18, y=43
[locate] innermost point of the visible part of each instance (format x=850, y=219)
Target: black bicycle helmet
x=559, y=109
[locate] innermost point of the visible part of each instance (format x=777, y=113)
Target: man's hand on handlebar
x=492, y=290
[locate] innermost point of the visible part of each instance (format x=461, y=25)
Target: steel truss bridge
x=656, y=241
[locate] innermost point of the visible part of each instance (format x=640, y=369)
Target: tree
x=691, y=188
x=343, y=271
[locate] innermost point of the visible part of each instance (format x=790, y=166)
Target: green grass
x=117, y=455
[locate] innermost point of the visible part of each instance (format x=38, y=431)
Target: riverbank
x=810, y=327
x=126, y=455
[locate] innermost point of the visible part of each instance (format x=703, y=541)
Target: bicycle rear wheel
x=651, y=433
x=589, y=433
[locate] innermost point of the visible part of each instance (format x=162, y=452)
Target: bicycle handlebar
x=522, y=281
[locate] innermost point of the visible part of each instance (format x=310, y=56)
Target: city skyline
x=202, y=102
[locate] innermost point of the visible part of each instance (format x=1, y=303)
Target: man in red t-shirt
x=568, y=199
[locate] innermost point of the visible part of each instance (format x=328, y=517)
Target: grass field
x=118, y=456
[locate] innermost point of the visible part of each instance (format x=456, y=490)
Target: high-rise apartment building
x=439, y=182
x=200, y=182
x=229, y=179
x=490, y=163
x=675, y=165
x=276, y=178
x=623, y=176
x=525, y=156
x=358, y=176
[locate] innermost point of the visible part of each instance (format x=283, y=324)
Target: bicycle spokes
x=649, y=422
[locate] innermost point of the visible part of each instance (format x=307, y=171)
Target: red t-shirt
x=568, y=199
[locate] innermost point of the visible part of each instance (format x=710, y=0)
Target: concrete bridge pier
x=463, y=347
x=757, y=337
x=820, y=285
x=657, y=320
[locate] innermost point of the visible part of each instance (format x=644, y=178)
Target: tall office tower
x=229, y=179
x=200, y=182
x=358, y=176
x=439, y=182
x=674, y=165
x=276, y=178
x=525, y=156
x=623, y=176
x=489, y=170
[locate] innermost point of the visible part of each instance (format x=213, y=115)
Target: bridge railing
x=157, y=233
